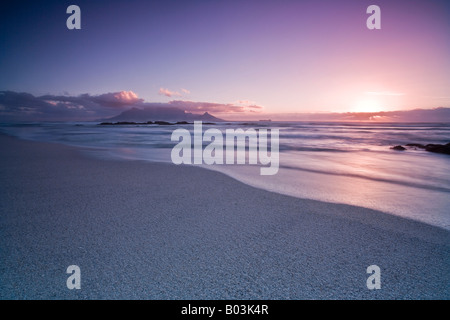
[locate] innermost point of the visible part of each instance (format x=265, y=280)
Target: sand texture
x=158, y=231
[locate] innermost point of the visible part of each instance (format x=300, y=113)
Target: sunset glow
x=212, y=153
x=367, y=106
x=298, y=57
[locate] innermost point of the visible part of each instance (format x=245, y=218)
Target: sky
x=237, y=58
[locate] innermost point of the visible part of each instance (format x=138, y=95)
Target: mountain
x=162, y=113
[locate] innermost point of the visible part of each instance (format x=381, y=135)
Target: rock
x=438, y=148
x=417, y=145
x=106, y=124
x=182, y=122
x=399, y=148
x=163, y=123
x=124, y=122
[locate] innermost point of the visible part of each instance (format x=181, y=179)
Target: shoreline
x=142, y=230
x=374, y=179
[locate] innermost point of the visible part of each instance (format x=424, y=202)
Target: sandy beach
x=141, y=230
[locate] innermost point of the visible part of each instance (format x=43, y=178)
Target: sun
x=368, y=105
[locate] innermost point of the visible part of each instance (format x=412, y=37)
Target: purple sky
x=282, y=56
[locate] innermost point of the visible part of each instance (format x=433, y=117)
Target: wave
x=366, y=177
x=286, y=147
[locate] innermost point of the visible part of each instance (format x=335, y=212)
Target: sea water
x=350, y=163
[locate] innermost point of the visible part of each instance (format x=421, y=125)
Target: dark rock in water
x=163, y=123
x=211, y=123
x=182, y=122
x=125, y=122
x=417, y=145
x=438, y=148
x=399, y=148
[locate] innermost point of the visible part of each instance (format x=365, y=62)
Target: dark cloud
x=22, y=106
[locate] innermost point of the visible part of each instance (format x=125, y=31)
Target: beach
x=141, y=230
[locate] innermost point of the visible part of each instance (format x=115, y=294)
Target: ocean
x=339, y=162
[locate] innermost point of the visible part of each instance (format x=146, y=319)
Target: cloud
x=117, y=99
x=22, y=106
x=193, y=106
x=245, y=102
x=168, y=93
x=384, y=93
x=439, y=114
x=437, y=98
